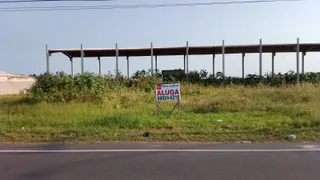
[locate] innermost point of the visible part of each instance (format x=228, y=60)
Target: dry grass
x=254, y=114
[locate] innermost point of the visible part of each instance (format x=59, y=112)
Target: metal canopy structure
x=193, y=50
x=185, y=52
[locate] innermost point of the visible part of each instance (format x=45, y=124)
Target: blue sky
x=23, y=35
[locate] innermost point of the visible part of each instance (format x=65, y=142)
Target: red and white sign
x=167, y=92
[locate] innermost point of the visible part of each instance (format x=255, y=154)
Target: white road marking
x=309, y=146
x=156, y=150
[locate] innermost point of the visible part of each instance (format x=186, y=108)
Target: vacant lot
x=251, y=114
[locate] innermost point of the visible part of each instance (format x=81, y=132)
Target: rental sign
x=167, y=92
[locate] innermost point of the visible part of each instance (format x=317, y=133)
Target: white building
x=14, y=83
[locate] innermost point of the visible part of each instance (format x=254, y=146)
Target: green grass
x=248, y=114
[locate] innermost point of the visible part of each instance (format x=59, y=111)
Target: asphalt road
x=155, y=161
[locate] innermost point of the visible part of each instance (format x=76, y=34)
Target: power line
x=136, y=6
x=38, y=1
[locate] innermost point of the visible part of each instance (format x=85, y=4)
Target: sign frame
x=172, y=97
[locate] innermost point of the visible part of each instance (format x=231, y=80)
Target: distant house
x=14, y=83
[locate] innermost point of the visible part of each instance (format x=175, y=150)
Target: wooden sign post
x=167, y=92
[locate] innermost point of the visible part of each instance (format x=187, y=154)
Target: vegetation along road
x=89, y=108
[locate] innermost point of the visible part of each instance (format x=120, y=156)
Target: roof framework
x=193, y=50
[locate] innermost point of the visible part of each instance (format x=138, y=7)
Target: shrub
x=64, y=88
x=88, y=87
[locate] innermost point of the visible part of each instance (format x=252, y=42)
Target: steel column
x=303, y=54
x=47, y=59
x=72, y=67
x=151, y=58
x=156, y=63
x=117, y=60
x=298, y=51
x=184, y=63
x=187, y=59
x=213, y=65
x=260, y=58
x=223, y=59
x=243, y=55
x=128, y=73
x=82, y=62
x=99, y=65
x=272, y=63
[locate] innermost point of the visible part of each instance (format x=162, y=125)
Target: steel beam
x=309, y=49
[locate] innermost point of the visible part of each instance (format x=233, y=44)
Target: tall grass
x=123, y=109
